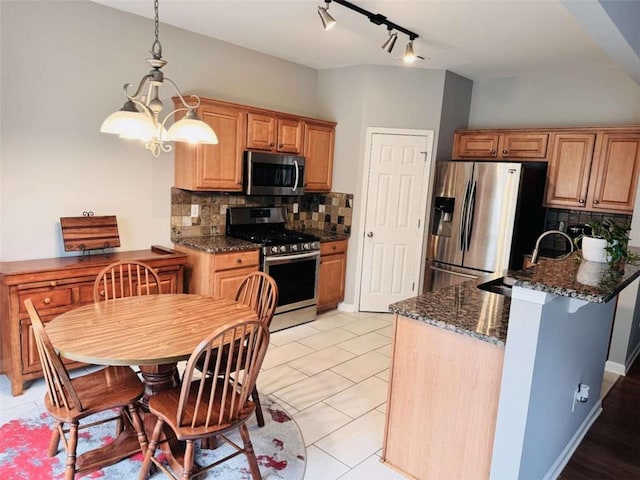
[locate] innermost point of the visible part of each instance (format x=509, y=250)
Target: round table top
x=144, y=330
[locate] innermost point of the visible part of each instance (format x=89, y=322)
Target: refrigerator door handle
x=463, y=217
x=459, y=274
x=471, y=206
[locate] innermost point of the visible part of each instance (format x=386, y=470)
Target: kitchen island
x=484, y=386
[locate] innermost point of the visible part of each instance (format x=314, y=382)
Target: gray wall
x=626, y=15
x=456, y=104
x=63, y=67
x=371, y=96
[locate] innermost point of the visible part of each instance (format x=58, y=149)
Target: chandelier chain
x=156, y=48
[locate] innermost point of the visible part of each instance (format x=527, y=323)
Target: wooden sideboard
x=56, y=285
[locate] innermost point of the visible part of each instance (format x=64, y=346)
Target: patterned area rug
x=278, y=445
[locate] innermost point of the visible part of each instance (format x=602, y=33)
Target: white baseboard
x=347, y=307
x=619, y=368
x=614, y=367
x=562, y=460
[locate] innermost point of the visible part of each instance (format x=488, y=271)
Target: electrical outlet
x=295, y=208
x=195, y=210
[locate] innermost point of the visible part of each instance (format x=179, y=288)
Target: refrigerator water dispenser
x=442, y=216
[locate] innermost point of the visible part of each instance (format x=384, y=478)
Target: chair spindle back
x=125, y=279
x=260, y=292
x=222, y=391
x=57, y=378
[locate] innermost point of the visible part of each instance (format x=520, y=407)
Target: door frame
x=426, y=200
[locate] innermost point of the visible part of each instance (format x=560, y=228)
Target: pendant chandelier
x=139, y=117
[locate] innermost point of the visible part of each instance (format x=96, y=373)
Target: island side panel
x=442, y=402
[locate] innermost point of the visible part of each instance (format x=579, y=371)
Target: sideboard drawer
x=60, y=297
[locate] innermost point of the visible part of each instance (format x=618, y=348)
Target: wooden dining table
x=153, y=332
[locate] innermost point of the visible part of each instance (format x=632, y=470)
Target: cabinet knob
x=596, y=202
x=280, y=146
x=239, y=260
x=334, y=247
x=54, y=283
x=504, y=152
x=271, y=144
x=47, y=301
x=582, y=200
x=493, y=152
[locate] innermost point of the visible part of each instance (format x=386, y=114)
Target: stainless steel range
x=291, y=258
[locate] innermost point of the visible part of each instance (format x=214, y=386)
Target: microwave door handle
x=295, y=185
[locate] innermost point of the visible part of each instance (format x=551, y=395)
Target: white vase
x=590, y=273
x=593, y=249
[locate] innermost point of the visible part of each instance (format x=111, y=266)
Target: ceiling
x=474, y=38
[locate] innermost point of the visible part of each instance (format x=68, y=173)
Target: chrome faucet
x=535, y=254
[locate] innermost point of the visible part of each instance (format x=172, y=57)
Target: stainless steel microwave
x=273, y=174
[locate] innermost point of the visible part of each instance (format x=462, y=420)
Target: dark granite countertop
x=576, y=278
x=462, y=308
x=222, y=243
x=470, y=311
x=217, y=244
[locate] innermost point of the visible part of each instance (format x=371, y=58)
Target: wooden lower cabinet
x=218, y=274
x=55, y=286
x=442, y=402
x=331, y=275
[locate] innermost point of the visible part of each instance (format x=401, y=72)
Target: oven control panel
x=290, y=248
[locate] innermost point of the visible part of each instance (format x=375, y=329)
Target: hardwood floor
x=611, y=448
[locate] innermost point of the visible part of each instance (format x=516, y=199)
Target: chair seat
x=165, y=405
x=111, y=387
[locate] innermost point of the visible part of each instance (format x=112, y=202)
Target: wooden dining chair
x=125, y=279
x=260, y=292
x=70, y=400
x=205, y=406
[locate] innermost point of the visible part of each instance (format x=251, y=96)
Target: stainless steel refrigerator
x=484, y=217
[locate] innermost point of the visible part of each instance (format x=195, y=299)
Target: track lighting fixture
x=376, y=18
x=409, y=55
x=328, y=22
x=390, y=42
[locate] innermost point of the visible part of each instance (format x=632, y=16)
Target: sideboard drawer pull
x=47, y=300
x=54, y=283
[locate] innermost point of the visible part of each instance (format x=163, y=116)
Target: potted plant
x=608, y=242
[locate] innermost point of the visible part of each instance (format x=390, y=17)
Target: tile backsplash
x=559, y=219
x=203, y=214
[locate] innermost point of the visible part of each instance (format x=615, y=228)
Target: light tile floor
x=331, y=375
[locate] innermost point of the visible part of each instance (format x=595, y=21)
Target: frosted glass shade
x=129, y=122
x=191, y=129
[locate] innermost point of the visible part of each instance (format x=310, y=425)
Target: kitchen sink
x=496, y=286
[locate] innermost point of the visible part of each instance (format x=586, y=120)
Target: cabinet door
x=261, y=131
x=226, y=282
x=475, y=145
x=213, y=167
x=289, y=135
x=614, y=176
x=331, y=274
x=523, y=145
x=318, y=152
x=569, y=170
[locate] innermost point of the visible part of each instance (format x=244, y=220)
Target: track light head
x=390, y=42
x=409, y=55
x=328, y=22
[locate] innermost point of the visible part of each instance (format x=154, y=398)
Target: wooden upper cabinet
x=273, y=133
x=497, y=145
x=214, y=167
x=615, y=171
x=569, y=170
x=594, y=171
x=319, y=139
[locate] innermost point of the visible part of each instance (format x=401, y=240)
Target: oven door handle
x=300, y=256
x=295, y=185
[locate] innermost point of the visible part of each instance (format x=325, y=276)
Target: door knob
x=370, y=234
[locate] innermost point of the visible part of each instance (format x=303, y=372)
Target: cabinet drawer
x=59, y=297
x=329, y=248
x=225, y=261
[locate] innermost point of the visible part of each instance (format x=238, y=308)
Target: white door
x=396, y=203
